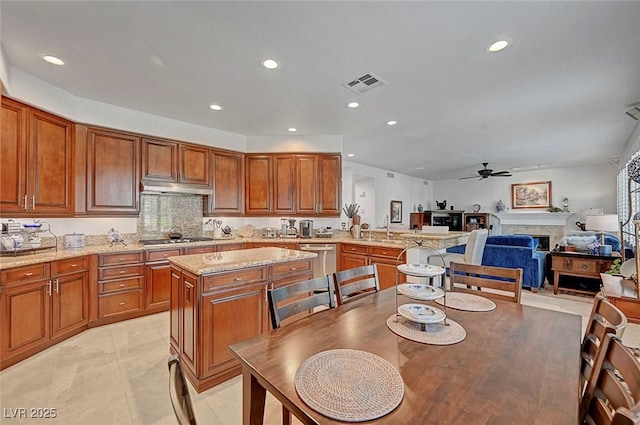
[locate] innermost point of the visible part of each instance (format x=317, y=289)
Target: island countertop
x=215, y=262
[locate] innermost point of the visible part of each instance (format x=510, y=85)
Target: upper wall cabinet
x=167, y=161
x=293, y=184
x=228, y=183
x=36, y=175
x=113, y=164
x=258, y=184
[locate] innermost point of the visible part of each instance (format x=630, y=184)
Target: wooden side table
x=623, y=293
x=579, y=264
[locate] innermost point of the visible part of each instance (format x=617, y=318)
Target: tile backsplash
x=159, y=212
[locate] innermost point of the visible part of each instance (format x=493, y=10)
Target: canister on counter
x=74, y=241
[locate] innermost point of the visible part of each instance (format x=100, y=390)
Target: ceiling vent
x=391, y=175
x=365, y=83
x=634, y=112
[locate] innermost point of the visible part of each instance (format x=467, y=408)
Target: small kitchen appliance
x=306, y=229
x=291, y=231
x=269, y=232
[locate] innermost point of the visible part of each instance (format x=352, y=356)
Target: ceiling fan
x=487, y=172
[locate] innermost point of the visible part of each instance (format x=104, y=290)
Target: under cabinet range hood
x=160, y=187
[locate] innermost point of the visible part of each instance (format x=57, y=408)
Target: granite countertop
x=216, y=262
x=431, y=240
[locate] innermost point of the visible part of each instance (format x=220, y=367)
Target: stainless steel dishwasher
x=325, y=262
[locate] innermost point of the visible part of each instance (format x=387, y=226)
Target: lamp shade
x=603, y=223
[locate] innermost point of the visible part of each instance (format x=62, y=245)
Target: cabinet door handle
x=293, y=268
x=25, y=202
x=74, y=265
x=49, y=289
x=57, y=286
x=120, y=259
x=122, y=303
x=122, y=285
x=238, y=279
x=33, y=202
x=28, y=274
x=122, y=271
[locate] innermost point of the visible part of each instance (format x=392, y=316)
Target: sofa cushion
x=513, y=240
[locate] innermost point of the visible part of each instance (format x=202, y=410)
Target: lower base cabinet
x=209, y=313
x=386, y=260
x=42, y=305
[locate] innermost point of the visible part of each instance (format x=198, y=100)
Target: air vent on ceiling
x=365, y=83
x=426, y=183
x=391, y=175
x=634, y=112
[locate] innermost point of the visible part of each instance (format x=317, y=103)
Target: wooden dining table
x=517, y=365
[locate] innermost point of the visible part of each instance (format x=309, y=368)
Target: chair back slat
x=604, y=318
x=614, y=385
x=351, y=283
x=179, y=393
x=289, y=300
x=508, y=281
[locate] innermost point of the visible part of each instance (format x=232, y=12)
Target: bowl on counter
x=12, y=242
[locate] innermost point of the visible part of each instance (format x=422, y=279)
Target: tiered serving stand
x=420, y=292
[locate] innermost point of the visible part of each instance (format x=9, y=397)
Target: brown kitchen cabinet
x=120, y=286
x=158, y=278
x=194, y=165
x=419, y=219
x=293, y=184
x=159, y=160
x=233, y=304
x=113, y=164
x=42, y=304
x=36, y=177
x=228, y=183
x=386, y=260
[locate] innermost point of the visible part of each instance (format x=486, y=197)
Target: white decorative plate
x=628, y=268
x=421, y=313
x=422, y=270
x=246, y=231
x=420, y=292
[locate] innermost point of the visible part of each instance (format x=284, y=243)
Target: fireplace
x=544, y=242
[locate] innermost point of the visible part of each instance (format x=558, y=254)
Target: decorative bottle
x=500, y=206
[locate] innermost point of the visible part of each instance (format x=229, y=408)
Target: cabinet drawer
x=385, y=252
x=25, y=273
x=584, y=266
x=121, y=258
x=293, y=267
x=362, y=249
x=120, y=285
x=200, y=250
x=239, y=276
x=162, y=255
x=120, y=303
x=230, y=247
x=117, y=272
x=69, y=266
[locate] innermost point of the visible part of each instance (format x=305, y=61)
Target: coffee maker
x=290, y=231
x=306, y=229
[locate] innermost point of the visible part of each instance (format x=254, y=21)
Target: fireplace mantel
x=534, y=218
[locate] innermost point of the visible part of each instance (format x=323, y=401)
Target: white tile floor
x=117, y=375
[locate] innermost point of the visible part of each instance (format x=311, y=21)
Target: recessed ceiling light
x=351, y=154
x=52, y=60
x=419, y=168
x=270, y=63
x=392, y=122
x=353, y=105
x=292, y=129
x=215, y=107
x=497, y=46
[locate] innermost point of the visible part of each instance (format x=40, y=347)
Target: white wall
x=34, y=91
x=410, y=190
x=591, y=186
x=318, y=143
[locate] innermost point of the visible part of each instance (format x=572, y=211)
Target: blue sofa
x=514, y=251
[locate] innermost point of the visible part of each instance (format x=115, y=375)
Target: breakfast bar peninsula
x=219, y=299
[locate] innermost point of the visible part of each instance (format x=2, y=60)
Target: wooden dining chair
x=505, y=280
x=179, y=393
x=613, y=389
x=605, y=318
x=289, y=300
x=353, y=283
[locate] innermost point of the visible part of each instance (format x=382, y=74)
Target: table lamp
x=603, y=223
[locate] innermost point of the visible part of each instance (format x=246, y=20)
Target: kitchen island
x=219, y=299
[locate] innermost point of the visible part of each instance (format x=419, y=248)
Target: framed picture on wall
x=396, y=212
x=531, y=195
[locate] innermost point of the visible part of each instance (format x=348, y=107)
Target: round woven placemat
x=467, y=302
x=349, y=385
x=434, y=333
